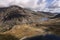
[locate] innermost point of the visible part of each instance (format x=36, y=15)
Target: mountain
x=14, y=15
x=57, y=16
x=17, y=22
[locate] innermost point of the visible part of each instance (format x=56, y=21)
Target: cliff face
x=21, y=22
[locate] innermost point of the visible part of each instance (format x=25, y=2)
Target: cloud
x=38, y=5
x=33, y=4
x=5, y=3
x=55, y=6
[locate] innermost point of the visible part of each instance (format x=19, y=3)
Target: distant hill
x=56, y=16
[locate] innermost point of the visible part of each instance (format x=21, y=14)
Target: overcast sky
x=38, y=5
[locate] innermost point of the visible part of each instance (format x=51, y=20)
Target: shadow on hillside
x=7, y=37
x=13, y=15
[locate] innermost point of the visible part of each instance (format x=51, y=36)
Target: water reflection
x=46, y=37
x=42, y=19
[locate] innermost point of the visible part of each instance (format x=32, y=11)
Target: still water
x=46, y=37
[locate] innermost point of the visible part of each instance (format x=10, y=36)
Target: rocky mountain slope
x=20, y=22
x=14, y=15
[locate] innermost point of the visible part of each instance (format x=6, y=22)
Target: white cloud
x=55, y=6
x=5, y=3
x=33, y=4
x=24, y=3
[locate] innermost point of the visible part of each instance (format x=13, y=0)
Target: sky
x=36, y=5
